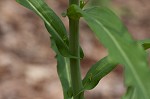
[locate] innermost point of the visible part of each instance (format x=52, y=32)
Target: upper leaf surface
x=53, y=24
x=47, y=14
x=63, y=70
x=97, y=72
x=122, y=48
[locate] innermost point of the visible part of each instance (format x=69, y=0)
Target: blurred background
x=27, y=63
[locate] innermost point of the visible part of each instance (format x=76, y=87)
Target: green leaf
x=53, y=24
x=145, y=43
x=103, y=67
x=97, y=72
x=122, y=48
x=63, y=69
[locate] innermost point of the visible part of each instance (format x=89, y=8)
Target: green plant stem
x=74, y=62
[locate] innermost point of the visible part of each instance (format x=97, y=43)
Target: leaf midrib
x=44, y=19
x=124, y=55
x=68, y=71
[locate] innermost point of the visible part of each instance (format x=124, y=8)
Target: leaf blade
x=97, y=72
x=53, y=24
x=63, y=70
x=122, y=48
x=128, y=59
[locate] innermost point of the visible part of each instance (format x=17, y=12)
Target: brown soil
x=27, y=64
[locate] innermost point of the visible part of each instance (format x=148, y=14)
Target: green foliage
x=63, y=70
x=122, y=48
x=98, y=71
x=53, y=24
x=59, y=41
x=111, y=33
